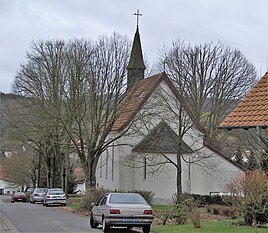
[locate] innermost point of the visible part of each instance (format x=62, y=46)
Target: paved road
x=35, y=218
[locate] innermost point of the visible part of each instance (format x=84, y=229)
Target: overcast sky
x=241, y=24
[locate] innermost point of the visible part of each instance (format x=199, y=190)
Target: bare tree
x=40, y=80
x=210, y=78
x=250, y=193
x=75, y=89
x=21, y=167
x=94, y=90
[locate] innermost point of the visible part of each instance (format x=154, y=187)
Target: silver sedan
x=122, y=209
x=54, y=196
x=37, y=195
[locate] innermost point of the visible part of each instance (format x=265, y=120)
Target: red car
x=18, y=196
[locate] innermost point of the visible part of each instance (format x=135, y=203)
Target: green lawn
x=74, y=202
x=162, y=207
x=213, y=226
x=207, y=226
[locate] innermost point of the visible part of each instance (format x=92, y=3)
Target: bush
x=251, y=190
x=92, y=197
x=180, y=211
x=204, y=200
x=260, y=217
x=223, y=210
x=194, y=214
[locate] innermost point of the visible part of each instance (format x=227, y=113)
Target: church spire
x=136, y=67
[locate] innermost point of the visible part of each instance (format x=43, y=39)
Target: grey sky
x=241, y=24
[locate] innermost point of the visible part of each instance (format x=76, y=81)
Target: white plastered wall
x=113, y=173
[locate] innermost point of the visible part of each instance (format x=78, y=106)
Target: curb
x=6, y=225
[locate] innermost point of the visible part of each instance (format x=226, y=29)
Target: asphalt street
x=35, y=218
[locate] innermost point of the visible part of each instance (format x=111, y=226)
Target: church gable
x=135, y=99
x=162, y=139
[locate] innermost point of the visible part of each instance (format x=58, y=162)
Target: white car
x=37, y=195
x=54, y=196
x=122, y=209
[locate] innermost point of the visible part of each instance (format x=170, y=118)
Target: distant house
x=251, y=112
x=79, y=180
x=6, y=187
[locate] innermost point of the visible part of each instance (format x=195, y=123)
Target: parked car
x=122, y=209
x=37, y=195
x=54, y=196
x=18, y=197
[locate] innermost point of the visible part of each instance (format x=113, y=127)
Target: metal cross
x=138, y=14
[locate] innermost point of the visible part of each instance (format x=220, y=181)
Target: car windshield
x=40, y=190
x=19, y=194
x=127, y=198
x=56, y=192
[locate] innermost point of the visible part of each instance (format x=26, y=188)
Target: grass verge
x=212, y=226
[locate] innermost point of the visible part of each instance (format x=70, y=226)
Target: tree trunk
x=39, y=170
x=53, y=173
x=179, y=187
x=254, y=219
x=89, y=168
x=49, y=173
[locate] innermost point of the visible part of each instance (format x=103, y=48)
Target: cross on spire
x=138, y=14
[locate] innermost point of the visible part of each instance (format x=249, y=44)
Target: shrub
x=251, y=190
x=194, y=214
x=228, y=211
x=181, y=208
x=204, y=200
x=92, y=197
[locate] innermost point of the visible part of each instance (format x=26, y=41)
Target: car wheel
x=105, y=226
x=33, y=201
x=92, y=222
x=146, y=228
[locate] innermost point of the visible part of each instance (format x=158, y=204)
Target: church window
x=144, y=168
x=106, y=164
x=101, y=165
x=113, y=162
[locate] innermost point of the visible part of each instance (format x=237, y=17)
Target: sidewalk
x=6, y=225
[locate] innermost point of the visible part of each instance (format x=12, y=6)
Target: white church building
x=158, y=129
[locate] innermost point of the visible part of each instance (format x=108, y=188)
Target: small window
x=113, y=163
x=144, y=168
x=106, y=165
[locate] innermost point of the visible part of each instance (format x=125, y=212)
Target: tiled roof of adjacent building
x=252, y=111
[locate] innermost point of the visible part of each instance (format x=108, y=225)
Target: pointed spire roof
x=136, y=57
